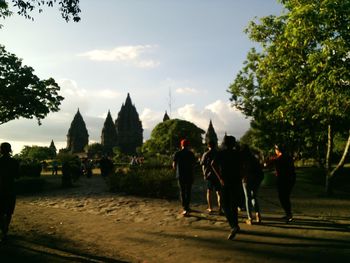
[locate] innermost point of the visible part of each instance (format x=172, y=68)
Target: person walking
x=285, y=172
x=9, y=170
x=252, y=176
x=226, y=167
x=106, y=166
x=184, y=162
x=212, y=181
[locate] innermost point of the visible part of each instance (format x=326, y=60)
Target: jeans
x=251, y=198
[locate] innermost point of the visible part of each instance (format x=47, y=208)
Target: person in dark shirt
x=9, y=169
x=213, y=184
x=106, y=166
x=184, y=162
x=285, y=172
x=226, y=167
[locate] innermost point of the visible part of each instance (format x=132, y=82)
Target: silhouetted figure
x=184, y=162
x=226, y=167
x=54, y=167
x=285, y=172
x=252, y=177
x=213, y=184
x=106, y=166
x=9, y=170
x=88, y=165
x=66, y=175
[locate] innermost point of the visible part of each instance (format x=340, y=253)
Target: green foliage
x=166, y=137
x=94, y=150
x=23, y=94
x=119, y=157
x=298, y=83
x=37, y=153
x=71, y=168
x=29, y=168
x=69, y=8
x=149, y=181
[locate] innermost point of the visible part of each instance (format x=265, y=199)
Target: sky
x=178, y=56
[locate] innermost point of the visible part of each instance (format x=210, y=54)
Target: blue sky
x=191, y=48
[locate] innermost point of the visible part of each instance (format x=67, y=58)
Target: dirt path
x=88, y=224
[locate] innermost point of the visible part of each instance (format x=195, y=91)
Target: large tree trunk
x=331, y=173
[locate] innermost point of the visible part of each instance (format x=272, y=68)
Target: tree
x=300, y=80
x=22, y=93
x=69, y=8
x=94, y=150
x=37, y=153
x=166, y=137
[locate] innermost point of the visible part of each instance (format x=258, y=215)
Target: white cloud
x=150, y=118
x=128, y=54
x=224, y=117
x=105, y=94
x=186, y=90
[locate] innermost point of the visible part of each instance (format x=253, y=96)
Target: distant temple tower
x=77, y=137
x=166, y=117
x=52, y=147
x=109, y=135
x=211, y=135
x=129, y=128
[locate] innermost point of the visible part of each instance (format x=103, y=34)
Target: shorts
x=213, y=184
x=7, y=204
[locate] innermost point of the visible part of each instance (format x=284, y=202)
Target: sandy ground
x=86, y=223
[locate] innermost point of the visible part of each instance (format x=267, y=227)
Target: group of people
x=227, y=171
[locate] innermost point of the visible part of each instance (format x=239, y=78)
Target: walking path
x=88, y=224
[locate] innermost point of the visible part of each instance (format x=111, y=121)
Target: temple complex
x=77, y=137
x=129, y=128
x=126, y=132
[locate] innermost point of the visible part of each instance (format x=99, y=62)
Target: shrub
x=146, y=181
x=71, y=168
x=29, y=168
x=29, y=185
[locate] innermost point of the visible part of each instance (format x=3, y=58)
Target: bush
x=146, y=181
x=71, y=168
x=29, y=168
x=29, y=185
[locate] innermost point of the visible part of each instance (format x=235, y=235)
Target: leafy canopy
x=166, y=136
x=22, y=93
x=37, y=153
x=69, y=8
x=298, y=83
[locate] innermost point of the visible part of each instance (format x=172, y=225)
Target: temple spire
x=129, y=128
x=77, y=137
x=109, y=135
x=210, y=135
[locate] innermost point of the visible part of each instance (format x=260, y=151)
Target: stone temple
x=129, y=128
x=77, y=137
x=126, y=132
